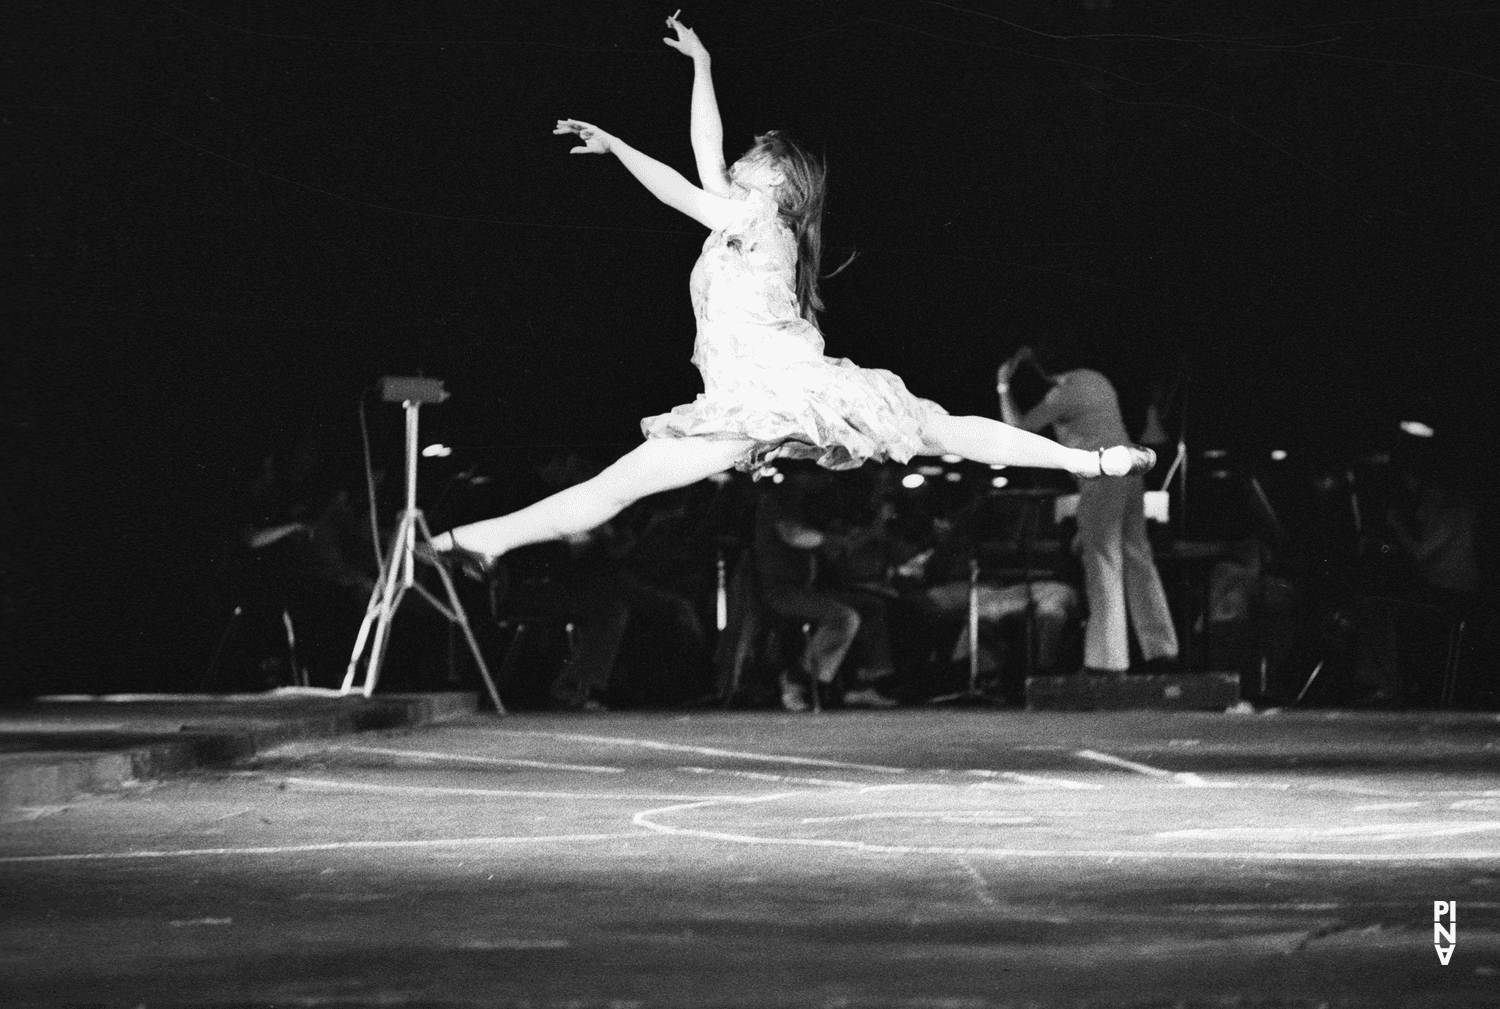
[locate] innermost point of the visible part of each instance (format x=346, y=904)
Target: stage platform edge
x=1166, y=691
x=54, y=750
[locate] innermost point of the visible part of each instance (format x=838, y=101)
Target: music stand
x=398, y=571
x=1031, y=499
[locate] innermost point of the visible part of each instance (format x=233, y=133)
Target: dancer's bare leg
x=982, y=439
x=656, y=465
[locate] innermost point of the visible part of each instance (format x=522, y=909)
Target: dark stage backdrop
x=226, y=220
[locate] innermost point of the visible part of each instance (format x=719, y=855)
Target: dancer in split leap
x=769, y=392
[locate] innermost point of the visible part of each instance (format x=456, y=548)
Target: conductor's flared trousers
x=1120, y=578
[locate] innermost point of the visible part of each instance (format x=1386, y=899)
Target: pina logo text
x=1444, y=933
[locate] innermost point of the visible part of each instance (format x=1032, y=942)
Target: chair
x=752, y=634
x=1400, y=619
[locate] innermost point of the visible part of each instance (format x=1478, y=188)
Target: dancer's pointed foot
x=1125, y=460
x=472, y=563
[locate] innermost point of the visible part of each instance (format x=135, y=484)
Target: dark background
x=226, y=221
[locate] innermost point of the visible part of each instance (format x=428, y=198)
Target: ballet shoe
x=1138, y=459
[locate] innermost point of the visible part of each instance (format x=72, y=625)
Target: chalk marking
x=768, y=758
x=293, y=849
x=1374, y=806
x=644, y=819
x=509, y=793
x=1284, y=906
x=466, y=758
x=26, y=814
x=981, y=886
x=1373, y=831
x=1182, y=777
x=761, y=776
x=946, y=815
x=1035, y=779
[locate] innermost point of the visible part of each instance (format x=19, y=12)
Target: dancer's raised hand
x=595, y=140
x=687, y=41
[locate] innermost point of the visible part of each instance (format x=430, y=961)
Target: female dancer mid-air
x=768, y=390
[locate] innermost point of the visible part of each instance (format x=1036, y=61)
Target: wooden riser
x=1173, y=691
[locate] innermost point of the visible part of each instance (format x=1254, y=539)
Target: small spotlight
x=436, y=452
x=1215, y=453
x=930, y=470
x=998, y=481
x=913, y=480
x=997, y=465
x=1417, y=429
x=1278, y=455
x=951, y=459
x=777, y=477
x=1220, y=474
x=953, y=477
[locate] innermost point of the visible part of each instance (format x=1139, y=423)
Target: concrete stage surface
x=932, y=859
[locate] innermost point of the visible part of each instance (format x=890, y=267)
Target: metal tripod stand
x=399, y=570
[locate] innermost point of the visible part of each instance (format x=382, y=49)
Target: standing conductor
x=1119, y=574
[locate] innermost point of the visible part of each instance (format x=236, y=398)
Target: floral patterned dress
x=765, y=378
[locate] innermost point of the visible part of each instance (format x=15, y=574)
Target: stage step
x=1170, y=691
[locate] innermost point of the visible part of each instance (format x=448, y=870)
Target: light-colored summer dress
x=765, y=378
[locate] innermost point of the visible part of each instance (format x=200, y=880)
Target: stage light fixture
x=436, y=452
x=1417, y=429
x=998, y=481
x=952, y=460
x=953, y=477
x=913, y=480
x=1278, y=455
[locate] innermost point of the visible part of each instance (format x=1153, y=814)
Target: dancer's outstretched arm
x=664, y=182
x=705, y=126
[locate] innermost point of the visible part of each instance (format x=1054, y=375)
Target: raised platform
x=55, y=748
x=1170, y=691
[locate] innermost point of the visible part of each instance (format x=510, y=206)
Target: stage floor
x=912, y=858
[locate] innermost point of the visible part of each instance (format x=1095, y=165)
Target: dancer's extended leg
x=982, y=439
x=656, y=465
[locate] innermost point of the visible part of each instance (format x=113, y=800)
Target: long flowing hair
x=801, y=198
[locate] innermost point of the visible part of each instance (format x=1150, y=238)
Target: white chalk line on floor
x=981, y=885
x=293, y=849
x=1366, y=831
x=974, y=816
x=781, y=778
x=1035, y=779
x=1182, y=777
x=765, y=758
x=474, y=759
x=1187, y=778
x=645, y=820
x=507, y=793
